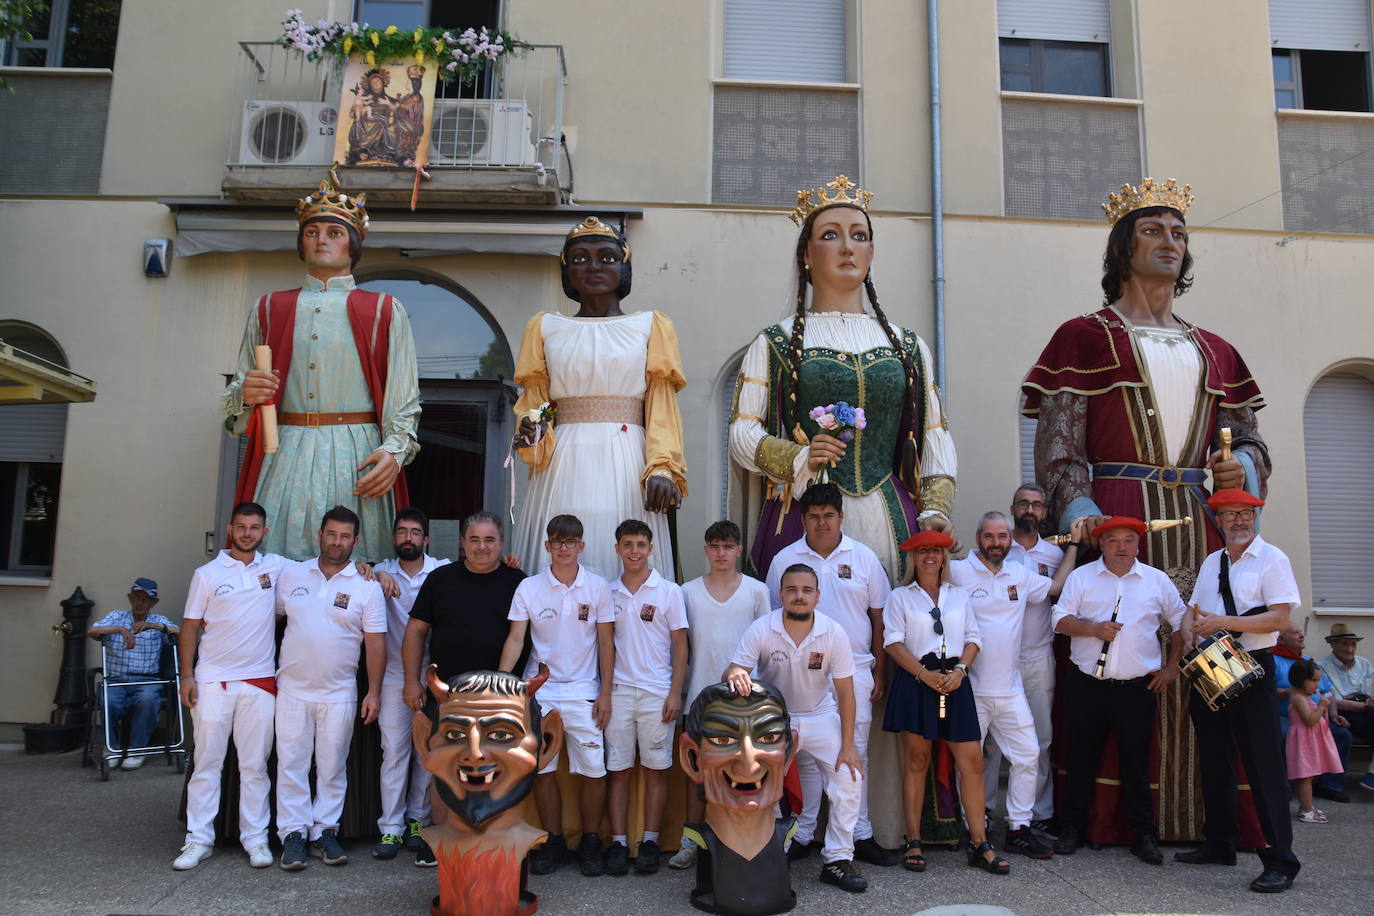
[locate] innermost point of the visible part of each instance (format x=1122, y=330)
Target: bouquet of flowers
x=543, y=417
x=840, y=420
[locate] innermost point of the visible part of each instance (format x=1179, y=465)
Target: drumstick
x=1226, y=443
x=1106, y=644
x=1158, y=524
x=262, y=354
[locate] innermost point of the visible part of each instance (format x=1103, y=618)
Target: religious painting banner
x=385, y=113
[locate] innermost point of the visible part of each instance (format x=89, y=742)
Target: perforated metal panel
x=52, y=134
x=1327, y=170
x=770, y=142
x=1025, y=427
x=1061, y=20
x=1060, y=159
x=1338, y=428
x=1320, y=25
x=785, y=40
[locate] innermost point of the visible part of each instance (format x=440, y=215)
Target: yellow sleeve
x=663, y=378
x=532, y=374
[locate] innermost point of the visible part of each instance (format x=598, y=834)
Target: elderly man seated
x=1353, y=677
x=1292, y=641
x=133, y=642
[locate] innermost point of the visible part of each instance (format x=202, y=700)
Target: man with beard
x=998, y=593
x=483, y=743
x=330, y=610
x=403, y=808
x=1246, y=588
x=736, y=749
x=231, y=688
x=807, y=657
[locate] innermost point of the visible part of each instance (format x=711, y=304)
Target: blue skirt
x=914, y=707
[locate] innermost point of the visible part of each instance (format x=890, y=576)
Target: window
x=407, y=14
x=68, y=33
x=32, y=437
x=1321, y=54
x=1056, y=47
x=1338, y=429
x=805, y=44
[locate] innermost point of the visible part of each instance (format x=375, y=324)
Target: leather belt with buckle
x=314, y=420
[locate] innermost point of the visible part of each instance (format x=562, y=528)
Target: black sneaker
x=646, y=863
x=412, y=837
x=1047, y=827
x=1330, y=794
x=1069, y=841
x=1027, y=844
x=868, y=850
x=424, y=856
x=591, y=855
x=798, y=850
x=550, y=857
x=391, y=843
x=293, y=852
x=617, y=859
x=844, y=875
x=327, y=848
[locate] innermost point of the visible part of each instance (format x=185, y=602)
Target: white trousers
x=1037, y=681
x=819, y=743
x=1008, y=720
x=245, y=712
x=324, y=731
x=404, y=780
x=812, y=777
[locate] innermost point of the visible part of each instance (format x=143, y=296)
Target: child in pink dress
x=1311, y=749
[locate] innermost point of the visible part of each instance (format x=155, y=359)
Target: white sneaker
x=192, y=854
x=131, y=763
x=260, y=856
x=685, y=857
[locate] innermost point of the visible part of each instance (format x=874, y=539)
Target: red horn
x=538, y=680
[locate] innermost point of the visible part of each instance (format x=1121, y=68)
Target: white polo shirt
x=398, y=608
x=1262, y=576
x=325, y=622
x=851, y=581
x=802, y=673
x=644, y=624
x=563, y=621
x=1037, y=633
x=907, y=620
x=1148, y=598
x=998, y=601
x=237, y=603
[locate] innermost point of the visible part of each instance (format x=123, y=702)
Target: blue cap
x=145, y=585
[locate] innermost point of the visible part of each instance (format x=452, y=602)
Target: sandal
x=912, y=859
x=996, y=865
x=1315, y=816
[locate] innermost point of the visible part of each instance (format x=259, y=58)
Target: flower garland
x=461, y=56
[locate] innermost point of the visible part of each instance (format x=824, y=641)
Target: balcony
x=494, y=143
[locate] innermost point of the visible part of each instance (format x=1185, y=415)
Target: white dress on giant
x=596, y=468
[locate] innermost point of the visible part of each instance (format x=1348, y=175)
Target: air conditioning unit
x=287, y=133
x=494, y=132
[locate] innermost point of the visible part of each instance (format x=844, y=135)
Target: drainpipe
x=937, y=197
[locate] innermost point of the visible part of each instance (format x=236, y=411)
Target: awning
x=29, y=379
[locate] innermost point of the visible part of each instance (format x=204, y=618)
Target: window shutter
x=1338, y=425
x=1057, y=20
x=1027, y=428
x=785, y=40
x=32, y=432
x=1320, y=25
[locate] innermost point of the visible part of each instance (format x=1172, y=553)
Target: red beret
x=930, y=538
x=1120, y=521
x=1233, y=497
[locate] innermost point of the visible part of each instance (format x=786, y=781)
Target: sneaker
x=192, y=854
x=685, y=857
x=1027, y=844
x=844, y=875
x=413, y=840
x=293, y=851
x=647, y=862
x=591, y=855
x=131, y=763
x=1367, y=782
x=1068, y=842
x=424, y=857
x=1047, y=827
x=799, y=850
x=868, y=850
x=1315, y=816
x=260, y=856
x=550, y=857
x=327, y=849
x=617, y=859
x=391, y=843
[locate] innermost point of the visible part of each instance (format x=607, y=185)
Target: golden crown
x=1148, y=194
x=329, y=202
x=593, y=227
x=823, y=198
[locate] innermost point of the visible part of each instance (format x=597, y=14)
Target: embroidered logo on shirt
x=1011, y=592
x=584, y=612
x=779, y=657
x=978, y=592
x=844, y=571
x=1045, y=570
x=300, y=591
x=223, y=589
x=340, y=600
x=816, y=661
x=264, y=581
x=646, y=613
x=546, y=613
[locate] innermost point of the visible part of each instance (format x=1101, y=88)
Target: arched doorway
x=465, y=367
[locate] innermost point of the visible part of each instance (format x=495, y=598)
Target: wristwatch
x=962, y=667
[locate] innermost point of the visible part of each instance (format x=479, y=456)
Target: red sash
x=277, y=323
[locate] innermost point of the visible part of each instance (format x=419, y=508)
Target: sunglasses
x=935, y=616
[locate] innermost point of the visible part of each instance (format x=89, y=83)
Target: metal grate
x=52, y=133
x=1327, y=169
x=770, y=142
x=1061, y=158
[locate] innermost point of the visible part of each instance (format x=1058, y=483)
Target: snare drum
x=1220, y=669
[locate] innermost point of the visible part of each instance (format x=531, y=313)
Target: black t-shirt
x=466, y=613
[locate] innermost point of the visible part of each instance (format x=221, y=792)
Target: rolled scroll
x=262, y=355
